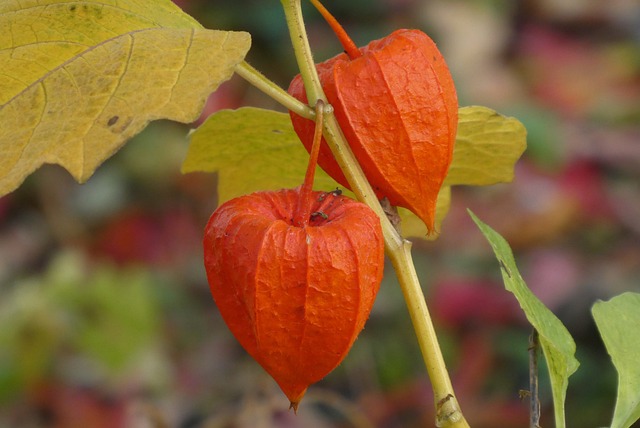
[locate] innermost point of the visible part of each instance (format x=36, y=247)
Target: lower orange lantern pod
x=294, y=297
x=295, y=274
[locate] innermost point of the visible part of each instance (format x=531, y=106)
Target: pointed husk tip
x=294, y=402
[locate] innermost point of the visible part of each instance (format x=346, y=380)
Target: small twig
x=534, y=344
x=392, y=214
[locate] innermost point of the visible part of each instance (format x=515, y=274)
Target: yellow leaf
x=80, y=78
x=252, y=149
x=487, y=147
x=413, y=227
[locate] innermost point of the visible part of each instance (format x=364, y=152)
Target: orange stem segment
x=349, y=46
x=303, y=213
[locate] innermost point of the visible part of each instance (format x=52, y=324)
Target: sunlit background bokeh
x=105, y=315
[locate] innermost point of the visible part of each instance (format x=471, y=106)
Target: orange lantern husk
x=294, y=274
x=397, y=106
x=295, y=297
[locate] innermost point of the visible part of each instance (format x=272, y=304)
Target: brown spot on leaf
x=118, y=124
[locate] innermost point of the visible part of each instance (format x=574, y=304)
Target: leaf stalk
x=258, y=80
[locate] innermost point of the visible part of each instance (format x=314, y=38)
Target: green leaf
x=487, y=147
x=617, y=321
x=79, y=78
x=252, y=149
x=556, y=342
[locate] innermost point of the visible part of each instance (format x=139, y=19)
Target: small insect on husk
x=320, y=214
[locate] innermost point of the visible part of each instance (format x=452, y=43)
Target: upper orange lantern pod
x=397, y=106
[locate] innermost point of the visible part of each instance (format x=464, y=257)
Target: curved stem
x=303, y=211
x=448, y=413
x=349, y=47
x=257, y=79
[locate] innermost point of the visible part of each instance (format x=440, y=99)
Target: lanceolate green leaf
x=556, y=342
x=251, y=149
x=79, y=78
x=618, y=320
x=487, y=147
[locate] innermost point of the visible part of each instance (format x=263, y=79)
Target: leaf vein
x=184, y=65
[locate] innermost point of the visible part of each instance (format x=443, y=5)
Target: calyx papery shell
x=296, y=298
x=398, y=109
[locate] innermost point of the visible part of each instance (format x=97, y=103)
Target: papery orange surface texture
x=295, y=297
x=398, y=109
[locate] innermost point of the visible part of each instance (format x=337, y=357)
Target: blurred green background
x=105, y=313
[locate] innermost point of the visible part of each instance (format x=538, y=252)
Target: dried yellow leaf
x=80, y=78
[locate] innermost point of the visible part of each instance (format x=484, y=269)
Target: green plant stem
x=257, y=79
x=302, y=50
x=448, y=413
